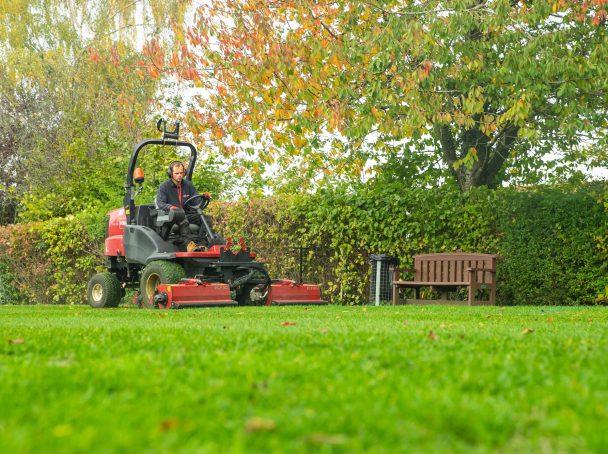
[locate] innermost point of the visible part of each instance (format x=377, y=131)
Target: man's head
x=176, y=171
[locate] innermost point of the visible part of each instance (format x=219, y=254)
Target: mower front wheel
x=155, y=273
x=104, y=290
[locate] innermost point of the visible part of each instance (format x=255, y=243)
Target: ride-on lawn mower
x=144, y=249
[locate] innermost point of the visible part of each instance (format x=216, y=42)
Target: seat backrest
x=143, y=215
x=453, y=267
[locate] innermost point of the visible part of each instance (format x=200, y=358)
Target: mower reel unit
x=145, y=249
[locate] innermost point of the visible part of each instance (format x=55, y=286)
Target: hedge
x=552, y=242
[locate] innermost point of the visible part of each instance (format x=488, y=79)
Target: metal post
x=378, y=279
x=301, y=252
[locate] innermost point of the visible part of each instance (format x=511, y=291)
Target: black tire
x=104, y=290
x=244, y=298
x=158, y=272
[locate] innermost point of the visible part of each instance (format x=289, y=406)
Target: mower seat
x=166, y=220
x=193, y=228
x=145, y=215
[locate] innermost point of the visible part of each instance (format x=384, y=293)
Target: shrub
x=548, y=248
x=552, y=242
x=51, y=261
x=26, y=264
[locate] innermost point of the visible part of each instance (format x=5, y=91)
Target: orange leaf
x=168, y=424
x=153, y=72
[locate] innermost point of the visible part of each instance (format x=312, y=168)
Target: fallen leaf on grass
x=288, y=323
x=263, y=385
x=527, y=331
x=432, y=336
x=63, y=430
x=15, y=341
x=327, y=439
x=168, y=424
x=257, y=424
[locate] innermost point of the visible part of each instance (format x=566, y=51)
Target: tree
x=74, y=97
x=488, y=86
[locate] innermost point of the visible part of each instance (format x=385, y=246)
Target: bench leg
x=395, y=295
x=472, y=287
x=493, y=295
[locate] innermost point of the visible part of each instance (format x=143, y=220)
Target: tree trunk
x=492, y=152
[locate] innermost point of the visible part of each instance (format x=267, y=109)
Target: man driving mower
x=176, y=193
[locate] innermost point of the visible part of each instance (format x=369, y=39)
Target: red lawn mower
x=144, y=249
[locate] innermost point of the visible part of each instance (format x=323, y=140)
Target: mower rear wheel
x=104, y=290
x=155, y=273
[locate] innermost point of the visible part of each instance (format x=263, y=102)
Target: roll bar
x=169, y=138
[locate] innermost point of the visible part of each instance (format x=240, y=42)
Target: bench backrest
x=453, y=267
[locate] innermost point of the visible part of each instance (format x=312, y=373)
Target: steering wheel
x=197, y=201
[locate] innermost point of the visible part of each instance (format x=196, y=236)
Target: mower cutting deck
x=145, y=250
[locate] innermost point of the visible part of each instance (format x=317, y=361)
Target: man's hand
x=173, y=208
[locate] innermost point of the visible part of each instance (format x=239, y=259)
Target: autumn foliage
x=337, y=88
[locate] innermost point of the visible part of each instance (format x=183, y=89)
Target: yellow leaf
x=299, y=142
x=257, y=424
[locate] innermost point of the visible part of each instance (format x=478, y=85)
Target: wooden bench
x=447, y=272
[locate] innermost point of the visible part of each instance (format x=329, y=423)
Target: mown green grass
x=326, y=379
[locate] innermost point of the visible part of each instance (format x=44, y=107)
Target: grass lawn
x=328, y=379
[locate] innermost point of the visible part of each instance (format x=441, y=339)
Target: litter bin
x=381, y=288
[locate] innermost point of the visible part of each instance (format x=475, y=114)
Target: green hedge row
x=553, y=242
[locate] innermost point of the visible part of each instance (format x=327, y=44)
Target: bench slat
x=459, y=267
